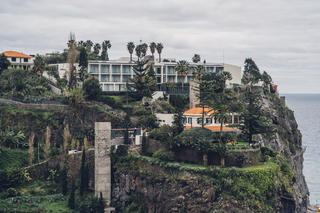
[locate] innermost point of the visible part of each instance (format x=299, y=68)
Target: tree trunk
x=205, y=159
x=222, y=161
x=220, y=140
x=202, y=125
x=182, y=80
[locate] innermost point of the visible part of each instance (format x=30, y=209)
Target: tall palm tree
x=198, y=72
x=144, y=48
x=81, y=43
x=105, y=46
x=159, y=50
x=89, y=44
x=204, y=145
x=97, y=48
x=196, y=58
x=152, y=47
x=138, y=50
x=225, y=75
x=182, y=68
x=130, y=48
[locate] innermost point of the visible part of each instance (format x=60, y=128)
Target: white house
x=19, y=60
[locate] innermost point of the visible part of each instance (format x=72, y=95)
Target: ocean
x=306, y=109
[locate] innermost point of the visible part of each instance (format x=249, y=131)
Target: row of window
x=114, y=78
x=14, y=59
x=94, y=68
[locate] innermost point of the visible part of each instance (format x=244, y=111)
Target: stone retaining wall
x=28, y=106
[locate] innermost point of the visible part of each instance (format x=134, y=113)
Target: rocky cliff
x=160, y=191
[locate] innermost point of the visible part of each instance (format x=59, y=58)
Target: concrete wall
x=235, y=72
x=165, y=118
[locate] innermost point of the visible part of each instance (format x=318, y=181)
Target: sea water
x=306, y=109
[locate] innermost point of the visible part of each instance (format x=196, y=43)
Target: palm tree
x=159, y=50
x=138, y=50
x=196, y=58
x=89, y=44
x=182, y=68
x=81, y=43
x=130, y=48
x=105, y=46
x=97, y=48
x=144, y=48
x=204, y=145
x=225, y=75
x=198, y=72
x=152, y=47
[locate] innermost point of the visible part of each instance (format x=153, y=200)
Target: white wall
x=165, y=118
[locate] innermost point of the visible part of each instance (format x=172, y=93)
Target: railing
x=185, y=90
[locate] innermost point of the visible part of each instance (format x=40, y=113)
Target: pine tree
x=64, y=178
x=71, y=200
x=83, y=173
x=178, y=119
x=83, y=64
x=255, y=119
x=143, y=144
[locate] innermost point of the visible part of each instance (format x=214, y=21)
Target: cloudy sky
x=281, y=36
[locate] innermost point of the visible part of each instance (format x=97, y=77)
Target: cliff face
x=288, y=140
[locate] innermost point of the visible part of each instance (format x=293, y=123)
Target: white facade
x=164, y=118
x=113, y=74
x=19, y=60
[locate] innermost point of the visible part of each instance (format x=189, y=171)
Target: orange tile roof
x=197, y=110
x=214, y=128
x=16, y=54
x=274, y=85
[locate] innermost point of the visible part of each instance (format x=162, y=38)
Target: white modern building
x=113, y=74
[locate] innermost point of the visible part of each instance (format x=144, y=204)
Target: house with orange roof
x=19, y=60
x=193, y=118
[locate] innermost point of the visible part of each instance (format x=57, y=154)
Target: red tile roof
x=214, y=128
x=16, y=54
x=198, y=110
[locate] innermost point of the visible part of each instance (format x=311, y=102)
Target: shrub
x=163, y=155
x=268, y=151
x=240, y=159
x=118, y=105
x=142, y=111
x=191, y=136
x=107, y=100
x=160, y=133
x=92, y=88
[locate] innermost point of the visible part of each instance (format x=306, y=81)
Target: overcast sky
x=281, y=36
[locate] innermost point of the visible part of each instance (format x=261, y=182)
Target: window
x=25, y=60
x=115, y=68
x=158, y=80
x=13, y=59
x=180, y=78
x=219, y=69
x=210, y=69
x=189, y=120
x=117, y=87
x=104, y=78
x=171, y=78
x=116, y=78
x=96, y=76
x=199, y=120
x=208, y=120
x=164, y=78
x=94, y=68
x=126, y=69
x=125, y=78
x=190, y=78
x=108, y=87
x=105, y=69
x=159, y=70
x=170, y=70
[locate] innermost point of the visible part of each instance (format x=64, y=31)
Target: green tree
x=89, y=45
x=84, y=174
x=224, y=76
x=182, y=68
x=266, y=78
x=142, y=83
x=64, y=178
x=159, y=50
x=71, y=199
x=204, y=146
x=178, y=118
x=144, y=48
x=143, y=144
x=4, y=63
x=105, y=46
x=130, y=48
x=251, y=72
x=39, y=65
x=198, y=72
x=255, y=118
x=97, y=48
x=92, y=88
x=196, y=58
x=152, y=47
x=102, y=203
x=83, y=64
